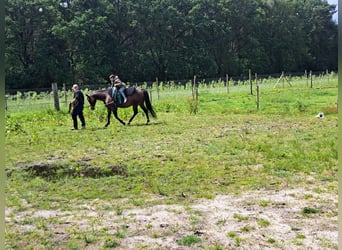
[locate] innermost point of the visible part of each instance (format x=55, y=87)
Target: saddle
x=128, y=92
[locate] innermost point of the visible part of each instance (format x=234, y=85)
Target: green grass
x=189, y=240
x=263, y=223
x=227, y=147
x=309, y=210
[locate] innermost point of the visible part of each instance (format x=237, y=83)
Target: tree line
x=83, y=41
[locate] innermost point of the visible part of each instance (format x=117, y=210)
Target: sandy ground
x=253, y=220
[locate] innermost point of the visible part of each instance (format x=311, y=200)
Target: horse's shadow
x=144, y=124
x=130, y=125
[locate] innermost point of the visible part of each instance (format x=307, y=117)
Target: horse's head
x=92, y=101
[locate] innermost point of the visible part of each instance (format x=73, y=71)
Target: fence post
x=55, y=95
x=257, y=91
x=196, y=95
x=227, y=83
x=193, y=87
x=196, y=88
x=157, y=87
x=310, y=78
x=65, y=94
x=250, y=81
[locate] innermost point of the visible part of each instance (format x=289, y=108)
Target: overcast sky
x=336, y=3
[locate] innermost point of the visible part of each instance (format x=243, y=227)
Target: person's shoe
x=74, y=129
x=83, y=127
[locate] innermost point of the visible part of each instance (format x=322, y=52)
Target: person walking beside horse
x=78, y=104
x=118, y=85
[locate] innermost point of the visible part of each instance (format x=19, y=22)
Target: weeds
x=121, y=232
x=240, y=217
x=310, y=210
x=189, y=240
x=231, y=234
x=263, y=223
x=110, y=243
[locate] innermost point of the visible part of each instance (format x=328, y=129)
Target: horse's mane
x=101, y=91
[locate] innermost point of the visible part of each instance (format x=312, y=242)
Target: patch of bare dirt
x=300, y=218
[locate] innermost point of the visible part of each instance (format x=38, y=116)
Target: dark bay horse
x=139, y=97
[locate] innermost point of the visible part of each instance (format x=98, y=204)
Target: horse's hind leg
x=135, y=112
x=146, y=113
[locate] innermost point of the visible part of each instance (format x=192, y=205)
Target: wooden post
x=282, y=78
x=310, y=78
x=55, y=95
x=157, y=87
x=327, y=72
x=227, y=83
x=193, y=87
x=65, y=94
x=250, y=81
x=196, y=97
x=196, y=88
x=257, y=91
x=307, y=78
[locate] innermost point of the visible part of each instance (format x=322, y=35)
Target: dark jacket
x=79, y=100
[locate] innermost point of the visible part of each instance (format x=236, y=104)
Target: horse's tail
x=148, y=104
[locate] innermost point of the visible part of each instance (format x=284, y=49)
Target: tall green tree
x=320, y=34
x=83, y=27
x=83, y=41
x=29, y=47
x=158, y=41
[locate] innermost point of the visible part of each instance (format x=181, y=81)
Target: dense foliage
x=84, y=41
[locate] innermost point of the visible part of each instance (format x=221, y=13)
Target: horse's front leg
x=115, y=113
x=108, y=117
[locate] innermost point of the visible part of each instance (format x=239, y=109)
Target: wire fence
x=44, y=98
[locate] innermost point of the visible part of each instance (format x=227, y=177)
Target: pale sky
x=336, y=3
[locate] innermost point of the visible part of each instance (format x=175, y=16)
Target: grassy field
x=227, y=148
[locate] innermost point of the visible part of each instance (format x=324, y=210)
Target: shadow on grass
x=118, y=125
x=144, y=124
x=53, y=170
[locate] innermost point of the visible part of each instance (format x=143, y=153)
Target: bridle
x=91, y=103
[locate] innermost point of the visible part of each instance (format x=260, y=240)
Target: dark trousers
x=78, y=113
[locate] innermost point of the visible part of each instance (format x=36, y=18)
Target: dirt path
x=287, y=219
